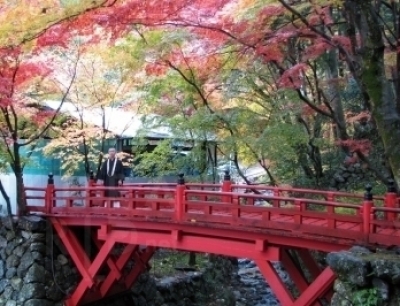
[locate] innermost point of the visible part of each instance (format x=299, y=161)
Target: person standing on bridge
x=111, y=173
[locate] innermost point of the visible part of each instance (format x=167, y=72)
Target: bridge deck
x=257, y=222
x=324, y=214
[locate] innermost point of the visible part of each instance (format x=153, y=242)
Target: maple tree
x=308, y=53
x=36, y=27
x=305, y=66
x=24, y=120
x=324, y=76
x=358, y=41
x=100, y=87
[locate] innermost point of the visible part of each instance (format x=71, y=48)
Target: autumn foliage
x=302, y=74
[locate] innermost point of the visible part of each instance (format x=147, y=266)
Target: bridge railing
x=343, y=197
x=35, y=198
x=130, y=201
x=195, y=186
x=290, y=214
x=227, y=204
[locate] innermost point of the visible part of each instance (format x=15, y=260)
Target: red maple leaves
x=156, y=69
x=356, y=145
x=293, y=77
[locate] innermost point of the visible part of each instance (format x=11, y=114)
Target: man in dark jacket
x=111, y=173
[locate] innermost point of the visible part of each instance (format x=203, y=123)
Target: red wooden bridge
x=262, y=223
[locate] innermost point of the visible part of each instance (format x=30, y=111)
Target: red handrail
x=225, y=205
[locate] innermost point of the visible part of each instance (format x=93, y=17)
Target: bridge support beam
x=310, y=292
x=106, y=274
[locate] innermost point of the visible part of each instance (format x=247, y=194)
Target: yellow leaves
x=22, y=20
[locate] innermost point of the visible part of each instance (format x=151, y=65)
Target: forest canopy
x=308, y=90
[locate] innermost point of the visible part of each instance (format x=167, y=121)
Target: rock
x=359, y=250
x=37, y=257
x=12, y=261
x=32, y=224
x=382, y=287
x=38, y=237
x=26, y=235
x=38, y=247
x=339, y=178
x=370, y=277
x=62, y=259
x=11, y=272
x=3, y=284
x=2, y=269
x=36, y=274
x=8, y=223
x=10, y=247
x=10, y=236
x=387, y=268
x=16, y=283
x=237, y=294
x=38, y=302
x=8, y=291
x=349, y=267
x=11, y=303
x=26, y=262
x=3, y=254
x=32, y=291
x=3, y=242
x=19, y=250
x=338, y=300
x=53, y=293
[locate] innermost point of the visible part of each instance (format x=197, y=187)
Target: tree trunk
x=380, y=91
x=332, y=73
x=7, y=199
x=102, y=142
x=21, y=203
x=19, y=181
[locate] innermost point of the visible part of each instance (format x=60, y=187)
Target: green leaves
x=366, y=297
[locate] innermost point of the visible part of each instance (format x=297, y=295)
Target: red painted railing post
x=367, y=208
x=227, y=187
x=330, y=196
x=180, y=198
x=390, y=200
x=49, y=196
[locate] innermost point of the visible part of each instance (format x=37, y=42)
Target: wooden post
x=390, y=200
x=49, y=196
x=367, y=207
x=227, y=186
x=330, y=196
x=180, y=198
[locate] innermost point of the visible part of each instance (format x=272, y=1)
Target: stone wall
x=366, y=278
x=350, y=177
x=28, y=274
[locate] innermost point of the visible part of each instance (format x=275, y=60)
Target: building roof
x=125, y=124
